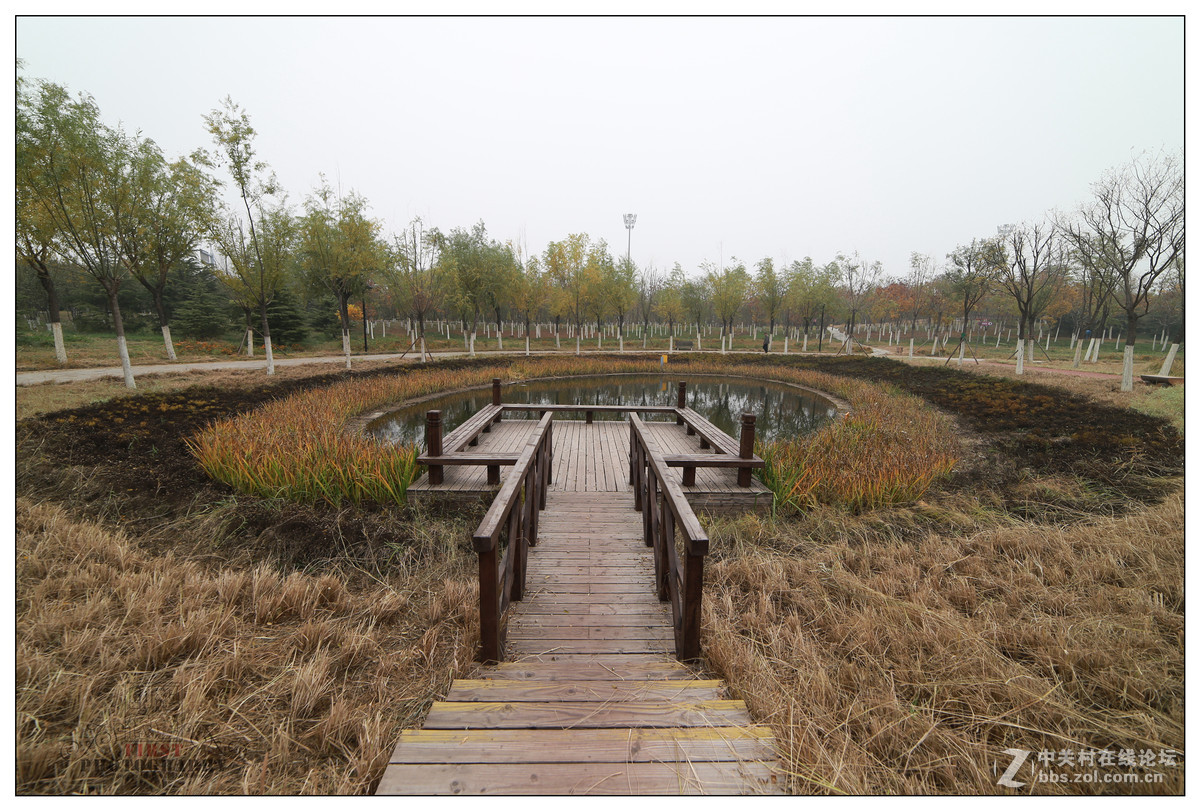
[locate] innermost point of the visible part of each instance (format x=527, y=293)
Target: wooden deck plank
x=711, y=744
x=585, y=714
x=587, y=668
x=629, y=690
x=576, y=778
x=590, y=699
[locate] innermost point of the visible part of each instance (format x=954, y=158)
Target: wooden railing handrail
x=683, y=588
x=501, y=581
x=688, y=523
x=489, y=528
x=654, y=409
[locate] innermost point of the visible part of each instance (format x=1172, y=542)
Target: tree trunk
x=266, y=333
x=1130, y=341
x=364, y=317
x=344, y=317
x=119, y=326
x=249, y=331
x=161, y=309
x=60, y=349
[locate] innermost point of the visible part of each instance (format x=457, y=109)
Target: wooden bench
x=448, y=450
x=468, y=433
x=710, y=434
x=587, y=409
x=683, y=344
x=1162, y=380
x=728, y=450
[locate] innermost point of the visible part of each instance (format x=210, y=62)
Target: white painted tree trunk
x=962, y=351
x=1020, y=356
x=1078, y=354
x=249, y=342
x=126, y=367
x=527, y=345
x=670, y=344
x=60, y=348
x=1166, y=367
x=423, y=359
x=620, y=343
x=578, y=338
x=346, y=347
x=1127, y=369
x=499, y=340
x=556, y=344
x=910, y=347
x=166, y=331
x=270, y=354
x=804, y=346
x=785, y=343
x=697, y=340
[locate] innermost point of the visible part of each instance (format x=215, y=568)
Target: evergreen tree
x=202, y=316
x=289, y=323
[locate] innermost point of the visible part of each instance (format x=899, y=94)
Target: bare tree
x=859, y=279
x=1095, y=280
x=649, y=284
x=1033, y=275
x=970, y=275
x=1136, y=216
x=921, y=274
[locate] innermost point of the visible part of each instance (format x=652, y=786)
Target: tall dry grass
x=891, y=448
x=896, y=661
x=231, y=680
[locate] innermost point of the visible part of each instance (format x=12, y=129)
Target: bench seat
x=470, y=430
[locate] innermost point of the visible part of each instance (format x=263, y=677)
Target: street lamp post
x=630, y=219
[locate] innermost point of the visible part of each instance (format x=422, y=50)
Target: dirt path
x=75, y=375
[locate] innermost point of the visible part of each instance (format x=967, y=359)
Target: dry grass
x=237, y=681
x=899, y=662
x=890, y=450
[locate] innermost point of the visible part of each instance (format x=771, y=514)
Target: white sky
x=747, y=137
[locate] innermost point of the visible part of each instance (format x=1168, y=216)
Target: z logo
x=1018, y=758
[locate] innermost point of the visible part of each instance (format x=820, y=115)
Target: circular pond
x=783, y=411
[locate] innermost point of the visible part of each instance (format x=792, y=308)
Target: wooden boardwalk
x=590, y=699
x=595, y=457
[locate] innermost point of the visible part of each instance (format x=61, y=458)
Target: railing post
x=746, y=449
x=682, y=402
x=433, y=443
x=693, y=587
x=489, y=608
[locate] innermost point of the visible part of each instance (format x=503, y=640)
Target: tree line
x=112, y=209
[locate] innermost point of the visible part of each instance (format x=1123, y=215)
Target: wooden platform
x=591, y=699
x=595, y=458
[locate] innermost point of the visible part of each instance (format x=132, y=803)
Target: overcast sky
x=746, y=137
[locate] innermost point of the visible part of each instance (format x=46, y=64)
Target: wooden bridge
x=586, y=690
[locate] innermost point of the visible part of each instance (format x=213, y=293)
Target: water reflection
x=782, y=412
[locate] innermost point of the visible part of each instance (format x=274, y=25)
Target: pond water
x=782, y=411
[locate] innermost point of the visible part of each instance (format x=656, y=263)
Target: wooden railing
x=683, y=586
x=514, y=513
